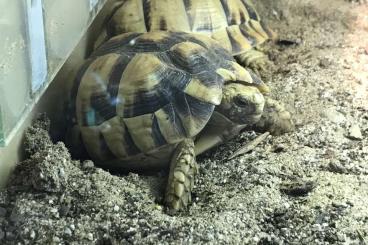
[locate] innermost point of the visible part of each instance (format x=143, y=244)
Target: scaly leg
x=183, y=169
x=275, y=119
x=254, y=59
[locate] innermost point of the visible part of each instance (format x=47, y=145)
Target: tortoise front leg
x=183, y=169
x=275, y=118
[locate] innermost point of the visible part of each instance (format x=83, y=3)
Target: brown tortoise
x=234, y=23
x=141, y=101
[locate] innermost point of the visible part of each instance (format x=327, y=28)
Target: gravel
x=309, y=186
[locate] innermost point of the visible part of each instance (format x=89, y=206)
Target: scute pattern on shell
x=139, y=92
x=234, y=23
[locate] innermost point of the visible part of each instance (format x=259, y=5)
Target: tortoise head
x=241, y=104
x=242, y=98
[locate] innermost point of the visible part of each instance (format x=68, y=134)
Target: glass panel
x=65, y=22
x=36, y=43
x=14, y=70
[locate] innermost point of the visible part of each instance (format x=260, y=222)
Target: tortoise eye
x=241, y=101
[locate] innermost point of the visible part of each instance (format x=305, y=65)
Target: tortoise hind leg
x=183, y=169
x=254, y=59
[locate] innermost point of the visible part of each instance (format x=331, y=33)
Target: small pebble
x=14, y=216
x=32, y=234
x=339, y=205
x=341, y=237
x=10, y=236
x=67, y=231
x=90, y=236
x=88, y=164
x=116, y=208
x=336, y=167
x=355, y=133
x=2, y=234
x=279, y=148
x=56, y=239
x=256, y=239
x=324, y=62
x=334, y=116
x=286, y=205
x=55, y=212
x=62, y=173
x=2, y=212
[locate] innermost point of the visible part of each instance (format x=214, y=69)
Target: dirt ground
x=309, y=186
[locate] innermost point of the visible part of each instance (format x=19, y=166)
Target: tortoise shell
x=234, y=23
x=139, y=92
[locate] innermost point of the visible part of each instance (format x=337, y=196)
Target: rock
x=298, y=188
x=90, y=236
x=355, y=133
x=10, y=236
x=32, y=234
x=333, y=115
x=67, y=231
x=88, y=164
x=324, y=62
x=56, y=239
x=62, y=173
x=2, y=212
x=256, y=239
x=15, y=217
x=339, y=205
x=279, y=148
x=336, y=168
x=55, y=212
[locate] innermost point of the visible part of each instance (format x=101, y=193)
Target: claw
x=255, y=60
x=275, y=119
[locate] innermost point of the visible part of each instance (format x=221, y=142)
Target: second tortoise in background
x=235, y=24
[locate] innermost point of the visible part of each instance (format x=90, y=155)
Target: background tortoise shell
x=139, y=92
x=234, y=23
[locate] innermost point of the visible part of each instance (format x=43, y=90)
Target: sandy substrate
x=305, y=187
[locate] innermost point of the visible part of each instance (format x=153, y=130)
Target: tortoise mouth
x=252, y=119
x=248, y=119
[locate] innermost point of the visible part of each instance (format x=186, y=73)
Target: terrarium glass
x=37, y=36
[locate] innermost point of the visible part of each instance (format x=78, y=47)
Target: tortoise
x=141, y=101
x=234, y=23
